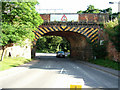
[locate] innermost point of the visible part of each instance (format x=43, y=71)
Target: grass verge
x=106, y=63
x=12, y=62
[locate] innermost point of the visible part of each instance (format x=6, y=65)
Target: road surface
x=47, y=71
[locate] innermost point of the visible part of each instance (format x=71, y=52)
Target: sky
x=72, y=6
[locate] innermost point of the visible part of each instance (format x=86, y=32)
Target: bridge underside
x=80, y=48
x=76, y=28
x=75, y=34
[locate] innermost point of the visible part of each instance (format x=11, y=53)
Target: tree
x=21, y=13
x=65, y=45
x=49, y=43
x=80, y=11
x=52, y=44
x=92, y=9
x=113, y=30
x=19, y=19
x=108, y=10
x=114, y=15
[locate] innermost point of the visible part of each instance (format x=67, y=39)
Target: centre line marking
x=61, y=70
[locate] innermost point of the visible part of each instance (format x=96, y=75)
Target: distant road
x=49, y=54
x=47, y=71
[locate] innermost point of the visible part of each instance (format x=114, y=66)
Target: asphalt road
x=47, y=71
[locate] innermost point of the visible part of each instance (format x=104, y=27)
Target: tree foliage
x=51, y=44
x=100, y=51
x=113, y=30
x=19, y=19
x=14, y=34
x=92, y=9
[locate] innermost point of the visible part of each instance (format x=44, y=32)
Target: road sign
x=64, y=18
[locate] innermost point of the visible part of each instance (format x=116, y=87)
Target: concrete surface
x=51, y=72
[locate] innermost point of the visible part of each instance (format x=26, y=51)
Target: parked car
x=60, y=54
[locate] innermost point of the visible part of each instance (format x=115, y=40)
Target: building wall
x=45, y=17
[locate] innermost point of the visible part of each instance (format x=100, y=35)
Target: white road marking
x=61, y=70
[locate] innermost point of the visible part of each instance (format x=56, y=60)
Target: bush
x=113, y=30
x=106, y=63
x=68, y=55
x=99, y=51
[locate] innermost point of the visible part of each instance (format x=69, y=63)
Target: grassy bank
x=106, y=63
x=12, y=62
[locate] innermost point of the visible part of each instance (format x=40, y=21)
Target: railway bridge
x=78, y=29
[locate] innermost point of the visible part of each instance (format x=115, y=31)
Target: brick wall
x=88, y=17
x=113, y=54
x=45, y=17
x=93, y=18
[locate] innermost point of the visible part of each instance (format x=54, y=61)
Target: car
x=60, y=54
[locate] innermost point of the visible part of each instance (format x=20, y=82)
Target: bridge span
x=78, y=29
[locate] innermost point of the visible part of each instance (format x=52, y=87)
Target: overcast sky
x=72, y=6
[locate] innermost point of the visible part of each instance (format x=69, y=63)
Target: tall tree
x=92, y=9
x=19, y=19
x=113, y=30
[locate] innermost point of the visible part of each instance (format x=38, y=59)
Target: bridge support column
x=80, y=48
x=81, y=54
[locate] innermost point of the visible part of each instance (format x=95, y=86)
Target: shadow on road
x=76, y=70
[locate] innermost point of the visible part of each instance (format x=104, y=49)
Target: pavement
x=105, y=69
